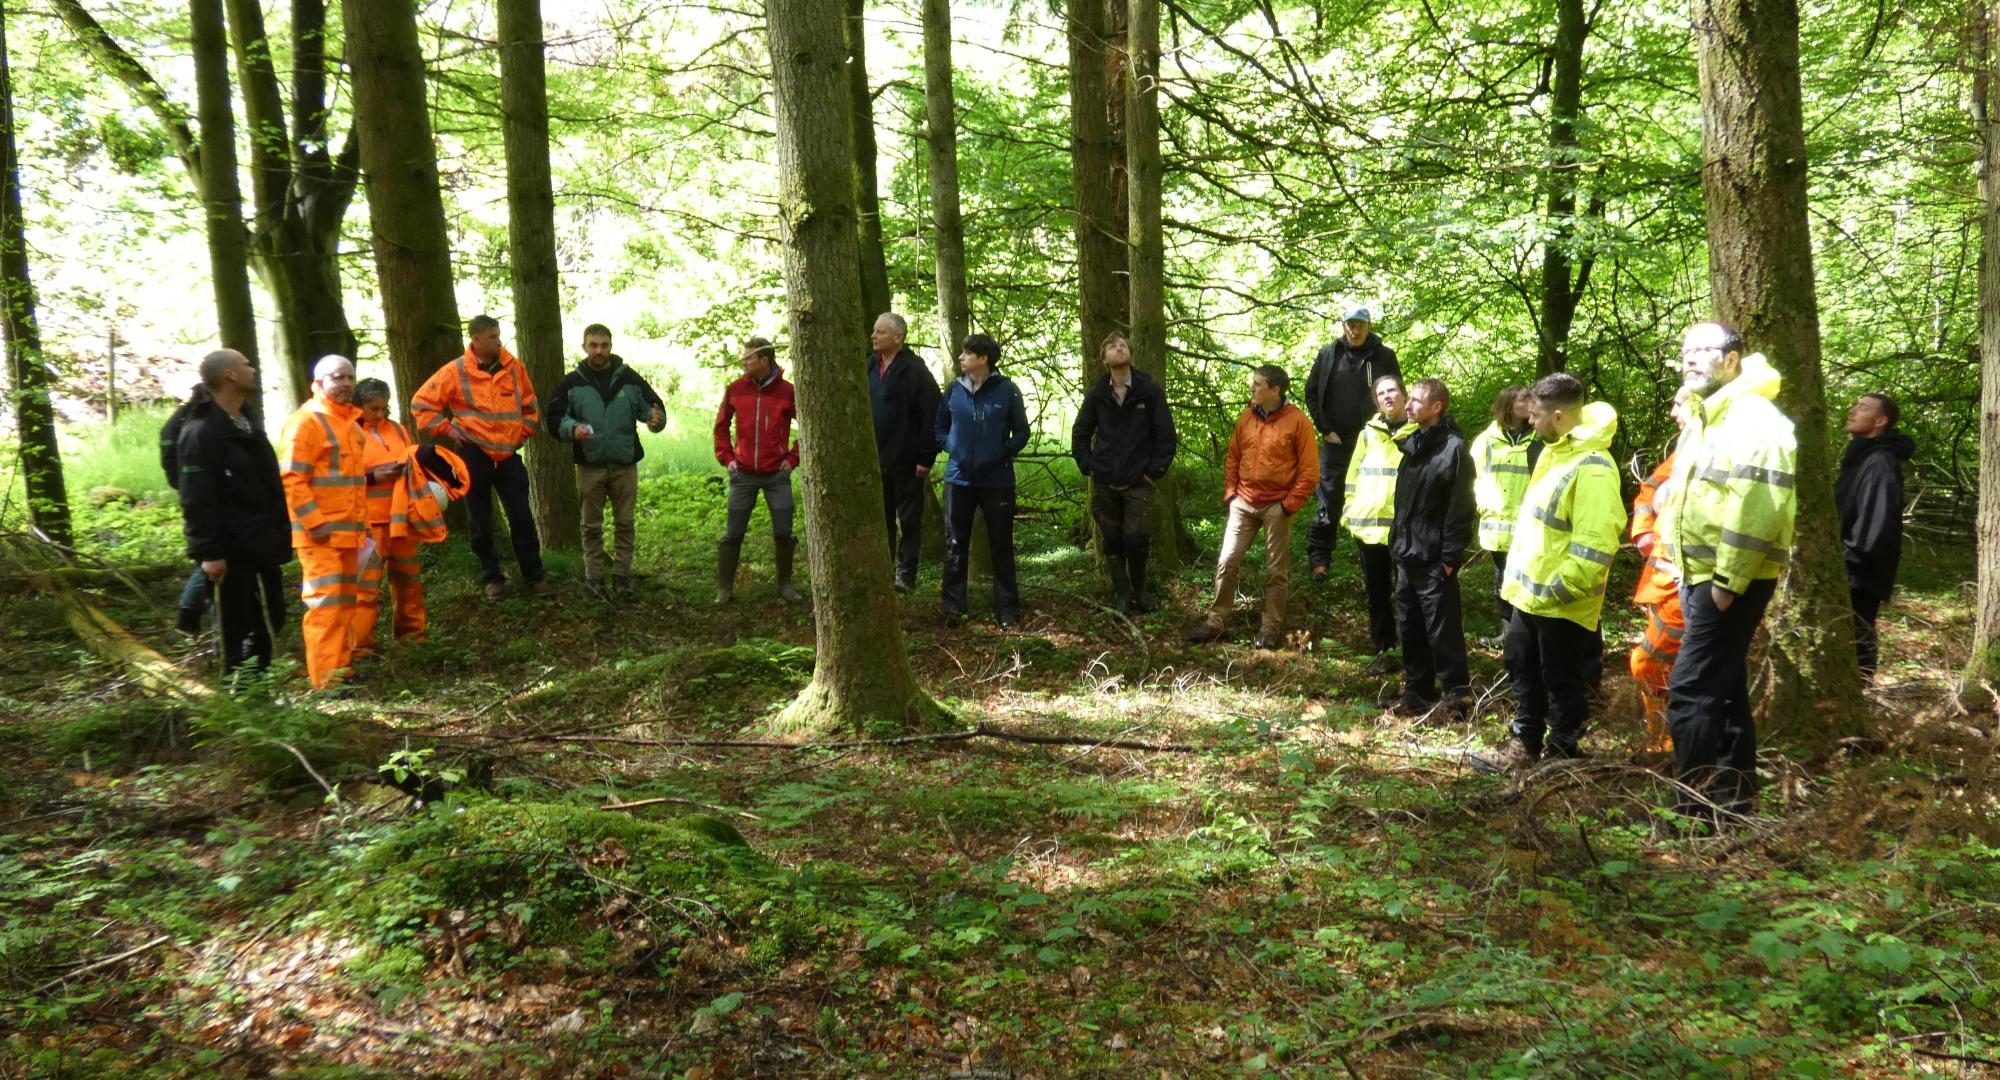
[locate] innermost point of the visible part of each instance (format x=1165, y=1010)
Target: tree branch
x=126, y=69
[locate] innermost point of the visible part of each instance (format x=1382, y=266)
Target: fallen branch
x=96, y=965
x=155, y=673
x=664, y=799
x=73, y=577
x=982, y=731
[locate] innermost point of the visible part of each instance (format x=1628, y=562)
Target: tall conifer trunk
x=1982, y=673
x=941, y=145
x=1563, y=277
x=221, y=196
x=870, y=261
x=1144, y=170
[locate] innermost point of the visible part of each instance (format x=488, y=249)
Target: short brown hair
x=1435, y=389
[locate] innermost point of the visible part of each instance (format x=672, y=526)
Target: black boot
x=787, y=547
x=1142, y=601
x=727, y=554
x=1121, y=586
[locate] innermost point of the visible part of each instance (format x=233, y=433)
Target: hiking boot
x=1459, y=704
x=1007, y=620
x=188, y=622
x=728, y=553
x=1121, y=586
x=1319, y=574
x=787, y=547
x=544, y=588
x=1409, y=704
x=1266, y=642
x=623, y=584
x=1204, y=632
x=1515, y=756
x=1384, y=664
x=495, y=590
x=1142, y=601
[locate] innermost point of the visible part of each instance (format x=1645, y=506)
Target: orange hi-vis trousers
x=396, y=559
x=330, y=578
x=1653, y=663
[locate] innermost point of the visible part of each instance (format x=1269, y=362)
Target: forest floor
x=1289, y=883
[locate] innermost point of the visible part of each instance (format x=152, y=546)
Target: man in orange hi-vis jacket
x=384, y=455
x=327, y=494
x=1659, y=596
x=484, y=406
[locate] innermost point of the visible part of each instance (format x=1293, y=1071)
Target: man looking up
x=1729, y=530
x=597, y=409
x=1435, y=517
x=484, y=404
x=1339, y=395
x=903, y=399
x=1869, y=494
x=326, y=488
x=1124, y=440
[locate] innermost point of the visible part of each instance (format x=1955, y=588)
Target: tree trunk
x=1097, y=153
x=874, y=267
x=1982, y=672
x=1148, y=247
x=27, y=371
x=1761, y=277
x=405, y=207
x=222, y=199
x=1563, y=280
x=862, y=679
x=941, y=142
x=531, y=244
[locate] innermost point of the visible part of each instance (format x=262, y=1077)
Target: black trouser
x=1708, y=698
x=250, y=602
x=1551, y=662
x=1502, y=610
x=1867, y=645
x=1378, y=577
x=1124, y=518
x=903, y=504
x=507, y=478
x=1332, y=494
x=1433, y=630
x=996, y=505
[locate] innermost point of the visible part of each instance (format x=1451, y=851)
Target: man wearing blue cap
x=1340, y=397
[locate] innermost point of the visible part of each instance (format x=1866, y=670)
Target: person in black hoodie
x=1869, y=495
x=1124, y=441
x=233, y=509
x=194, y=594
x=903, y=397
x=1340, y=397
x=1435, y=518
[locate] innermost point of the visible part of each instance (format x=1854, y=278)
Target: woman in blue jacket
x=981, y=423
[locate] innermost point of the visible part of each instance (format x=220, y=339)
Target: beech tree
x=862, y=679
x=1760, y=263
x=1982, y=672
x=222, y=198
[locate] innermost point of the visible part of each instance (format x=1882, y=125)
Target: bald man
x=326, y=490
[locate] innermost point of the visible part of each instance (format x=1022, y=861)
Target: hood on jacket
x=1757, y=379
x=1595, y=425
x=1859, y=449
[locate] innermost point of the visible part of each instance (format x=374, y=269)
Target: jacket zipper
x=757, y=442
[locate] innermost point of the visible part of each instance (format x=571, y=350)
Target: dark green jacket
x=613, y=403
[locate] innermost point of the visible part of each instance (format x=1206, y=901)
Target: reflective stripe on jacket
x=1500, y=472
x=320, y=461
x=497, y=410
x=381, y=444
x=418, y=498
x=1736, y=496
x=1370, y=507
x=1272, y=458
x=1658, y=580
x=1571, y=521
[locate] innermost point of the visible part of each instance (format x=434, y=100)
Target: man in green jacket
x=1570, y=523
x=1729, y=530
x=597, y=409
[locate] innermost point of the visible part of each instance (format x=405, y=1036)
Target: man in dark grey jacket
x=1340, y=397
x=1869, y=495
x=1124, y=441
x=903, y=400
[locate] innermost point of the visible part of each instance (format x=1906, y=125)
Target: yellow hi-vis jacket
x=1499, y=476
x=1369, y=507
x=1571, y=522
x=1735, y=499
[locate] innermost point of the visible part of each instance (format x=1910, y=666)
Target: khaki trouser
x=1244, y=521
x=619, y=484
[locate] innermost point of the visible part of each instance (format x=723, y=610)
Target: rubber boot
x=1121, y=586
x=1142, y=601
x=727, y=554
x=787, y=546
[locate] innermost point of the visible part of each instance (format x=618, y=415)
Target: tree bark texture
x=1982, y=673
x=1097, y=153
x=869, y=257
x=862, y=679
x=1761, y=277
x=941, y=145
x=1143, y=169
x=1563, y=277
x=531, y=244
x=28, y=374
x=405, y=207
x=221, y=197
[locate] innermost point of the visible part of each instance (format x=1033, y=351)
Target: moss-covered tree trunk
x=941, y=151
x=1761, y=276
x=1982, y=673
x=1096, y=35
x=221, y=196
x=862, y=679
x=1143, y=168
x=1564, y=277
x=531, y=244
x=405, y=206
x=28, y=374
x=870, y=260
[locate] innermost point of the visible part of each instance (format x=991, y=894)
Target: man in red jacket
x=760, y=456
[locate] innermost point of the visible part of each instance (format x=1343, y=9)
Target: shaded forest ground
x=1311, y=889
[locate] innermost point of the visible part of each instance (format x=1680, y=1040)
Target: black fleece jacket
x=232, y=503
x=1340, y=391
x=1869, y=495
x=1435, y=512
x=1124, y=444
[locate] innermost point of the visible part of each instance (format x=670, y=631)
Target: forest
x=760, y=782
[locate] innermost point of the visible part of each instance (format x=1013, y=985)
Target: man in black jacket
x=903, y=395
x=1869, y=494
x=1435, y=519
x=233, y=509
x=1340, y=397
x=1124, y=441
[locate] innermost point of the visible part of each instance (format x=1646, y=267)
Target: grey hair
x=325, y=365
x=218, y=364
x=902, y=325
x=368, y=390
